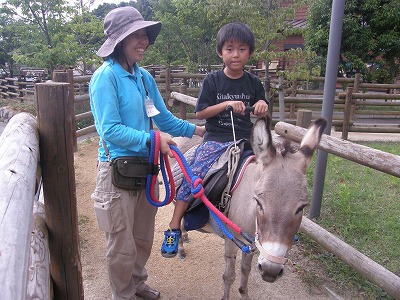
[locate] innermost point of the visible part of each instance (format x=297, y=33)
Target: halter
x=265, y=254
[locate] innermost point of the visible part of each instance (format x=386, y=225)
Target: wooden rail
x=19, y=157
x=360, y=100
x=368, y=268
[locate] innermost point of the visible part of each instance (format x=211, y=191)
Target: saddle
x=214, y=183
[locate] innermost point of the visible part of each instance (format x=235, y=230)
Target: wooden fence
x=18, y=89
x=43, y=148
x=358, y=106
x=37, y=155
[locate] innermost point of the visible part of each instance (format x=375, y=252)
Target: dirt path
x=199, y=276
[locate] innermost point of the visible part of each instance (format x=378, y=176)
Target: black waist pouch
x=130, y=172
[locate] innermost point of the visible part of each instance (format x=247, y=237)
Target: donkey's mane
x=285, y=146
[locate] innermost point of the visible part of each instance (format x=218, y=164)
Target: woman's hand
x=165, y=141
x=200, y=130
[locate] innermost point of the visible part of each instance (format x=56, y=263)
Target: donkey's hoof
x=181, y=254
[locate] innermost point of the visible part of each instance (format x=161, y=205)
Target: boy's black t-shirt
x=217, y=88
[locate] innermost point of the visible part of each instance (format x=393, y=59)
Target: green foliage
x=52, y=34
x=267, y=20
x=187, y=35
x=38, y=23
x=360, y=205
x=371, y=35
x=81, y=38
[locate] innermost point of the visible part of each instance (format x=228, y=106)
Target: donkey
x=268, y=202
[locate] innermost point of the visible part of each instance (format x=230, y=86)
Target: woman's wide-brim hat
x=121, y=22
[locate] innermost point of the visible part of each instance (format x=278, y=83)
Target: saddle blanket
x=215, y=181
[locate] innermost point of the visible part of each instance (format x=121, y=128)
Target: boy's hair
x=235, y=31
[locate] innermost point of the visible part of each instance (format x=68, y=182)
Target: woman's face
x=135, y=45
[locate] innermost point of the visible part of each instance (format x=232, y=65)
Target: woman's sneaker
x=170, y=245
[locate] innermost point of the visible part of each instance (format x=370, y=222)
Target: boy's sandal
x=170, y=245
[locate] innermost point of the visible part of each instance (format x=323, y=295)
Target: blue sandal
x=169, y=247
x=296, y=239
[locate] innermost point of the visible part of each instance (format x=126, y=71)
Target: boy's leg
x=170, y=247
x=179, y=211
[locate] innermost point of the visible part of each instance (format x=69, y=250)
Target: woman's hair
x=118, y=51
x=235, y=31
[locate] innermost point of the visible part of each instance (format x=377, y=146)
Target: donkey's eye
x=259, y=206
x=300, y=209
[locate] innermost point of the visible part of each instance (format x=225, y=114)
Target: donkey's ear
x=311, y=139
x=261, y=140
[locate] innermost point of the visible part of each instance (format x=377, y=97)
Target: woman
x=124, y=99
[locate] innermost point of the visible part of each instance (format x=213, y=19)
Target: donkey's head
x=280, y=192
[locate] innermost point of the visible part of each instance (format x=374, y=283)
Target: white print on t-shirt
x=225, y=124
x=229, y=96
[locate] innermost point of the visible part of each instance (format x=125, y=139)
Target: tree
x=370, y=38
x=267, y=18
x=8, y=42
x=82, y=37
x=186, y=33
x=38, y=23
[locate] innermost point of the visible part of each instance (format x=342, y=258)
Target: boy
x=231, y=86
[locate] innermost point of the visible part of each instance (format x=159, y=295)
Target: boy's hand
x=260, y=109
x=237, y=106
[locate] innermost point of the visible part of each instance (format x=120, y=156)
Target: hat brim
x=152, y=30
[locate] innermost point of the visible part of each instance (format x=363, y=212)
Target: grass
x=14, y=104
x=361, y=206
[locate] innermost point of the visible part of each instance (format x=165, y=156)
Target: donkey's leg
x=184, y=238
x=245, y=270
x=229, y=273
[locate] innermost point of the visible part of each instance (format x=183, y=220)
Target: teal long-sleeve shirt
x=117, y=102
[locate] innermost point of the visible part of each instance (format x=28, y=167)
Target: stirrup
x=170, y=245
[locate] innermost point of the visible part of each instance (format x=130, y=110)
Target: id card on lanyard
x=151, y=110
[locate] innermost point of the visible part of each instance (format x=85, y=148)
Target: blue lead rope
x=245, y=248
x=150, y=175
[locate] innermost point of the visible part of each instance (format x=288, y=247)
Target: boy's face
x=235, y=56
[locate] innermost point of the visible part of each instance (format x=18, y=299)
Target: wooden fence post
x=357, y=81
x=167, y=86
x=347, y=113
x=269, y=97
x=304, y=117
x=281, y=92
x=293, y=105
x=182, y=105
x=70, y=81
x=68, y=77
x=58, y=173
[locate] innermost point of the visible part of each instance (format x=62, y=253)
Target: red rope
x=197, y=185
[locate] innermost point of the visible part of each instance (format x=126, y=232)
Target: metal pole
x=335, y=36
